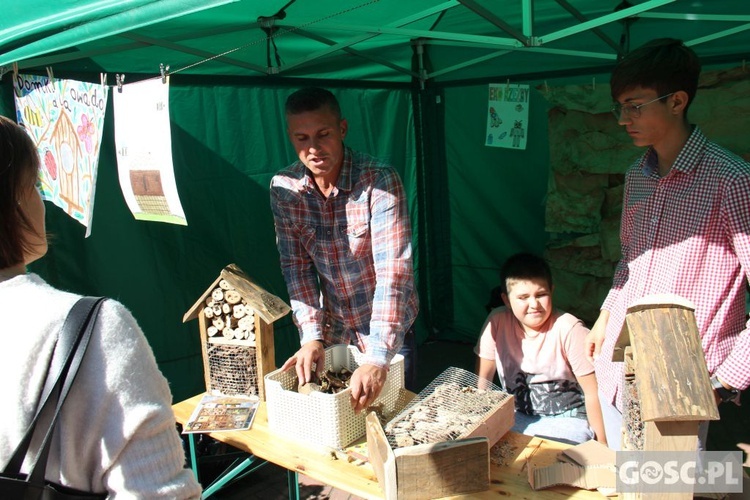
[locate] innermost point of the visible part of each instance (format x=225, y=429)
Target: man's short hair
x=524, y=266
x=666, y=65
x=311, y=99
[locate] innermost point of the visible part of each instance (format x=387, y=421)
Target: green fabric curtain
x=471, y=206
x=496, y=203
x=227, y=142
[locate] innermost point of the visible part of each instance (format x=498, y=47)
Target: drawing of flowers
x=86, y=132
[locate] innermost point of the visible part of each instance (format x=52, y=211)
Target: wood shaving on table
x=502, y=453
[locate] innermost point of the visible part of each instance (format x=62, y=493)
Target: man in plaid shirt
x=344, y=240
x=685, y=225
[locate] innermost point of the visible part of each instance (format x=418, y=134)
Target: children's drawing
x=495, y=120
x=143, y=143
x=65, y=119
x=517, y=133
x=512, y=103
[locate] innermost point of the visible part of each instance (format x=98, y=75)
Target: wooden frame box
x=439, y=444
x=428, y=471
x=235, y=318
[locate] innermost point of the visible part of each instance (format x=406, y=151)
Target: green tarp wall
x=471, y=206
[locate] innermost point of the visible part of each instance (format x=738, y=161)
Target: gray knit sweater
x=116, y=433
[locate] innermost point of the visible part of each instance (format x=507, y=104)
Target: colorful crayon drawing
x=512, y=103
x=65, y=118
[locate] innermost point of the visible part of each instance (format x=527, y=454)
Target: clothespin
x=507, y=84
x=15, y=71
x=164, y=70
x=50, y=75
x=103, y=79
x=119, y=79
x=546, y=87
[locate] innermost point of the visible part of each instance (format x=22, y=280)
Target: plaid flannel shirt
x=687, y=233
x=347, y=260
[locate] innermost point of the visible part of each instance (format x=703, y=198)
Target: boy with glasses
x=685, y=226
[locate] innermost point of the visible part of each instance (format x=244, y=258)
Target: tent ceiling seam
x=484, y=13
x=606, y=19
x=375, y=59
x=581, y=18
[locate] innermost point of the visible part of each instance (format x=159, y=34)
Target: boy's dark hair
x=311, y=99
x=524, y=266
x=665, y=65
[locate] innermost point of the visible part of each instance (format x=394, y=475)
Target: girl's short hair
x=19, y=170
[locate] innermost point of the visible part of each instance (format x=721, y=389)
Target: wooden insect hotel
x=667, y=391
x=235, y=318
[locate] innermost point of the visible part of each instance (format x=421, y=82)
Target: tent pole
x=420, y=58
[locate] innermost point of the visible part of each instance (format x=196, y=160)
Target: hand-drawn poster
x=65, y=119
x=143, y=143
x=507, y=116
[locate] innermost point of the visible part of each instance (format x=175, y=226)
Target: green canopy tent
x=411, y=78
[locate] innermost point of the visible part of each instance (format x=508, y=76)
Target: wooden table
x=358, y=478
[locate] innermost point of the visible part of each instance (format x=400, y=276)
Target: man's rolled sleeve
x=392, y=255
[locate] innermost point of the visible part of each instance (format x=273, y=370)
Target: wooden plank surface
x=381, y=456
x=670, y=368
x=508, y=479
x=436, y=470
x=264, y=353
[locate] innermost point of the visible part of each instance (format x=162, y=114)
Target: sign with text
x=507, y=116
x=679, y=472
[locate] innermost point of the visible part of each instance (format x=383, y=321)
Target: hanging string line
x=261, y=40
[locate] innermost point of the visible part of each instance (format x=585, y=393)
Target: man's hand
x=303, y=360
x=746, y=448
x=595, y=338
x=366, y=383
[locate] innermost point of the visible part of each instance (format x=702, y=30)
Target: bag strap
x=69, y=351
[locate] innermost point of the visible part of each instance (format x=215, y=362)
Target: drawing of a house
x=68, y=152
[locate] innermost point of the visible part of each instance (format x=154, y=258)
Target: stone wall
x=589, y=154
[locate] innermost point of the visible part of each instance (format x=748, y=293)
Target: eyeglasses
x=631, y=110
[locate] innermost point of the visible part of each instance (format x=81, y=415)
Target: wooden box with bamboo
x=235, y=319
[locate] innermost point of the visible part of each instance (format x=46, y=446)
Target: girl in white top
x=116, y=433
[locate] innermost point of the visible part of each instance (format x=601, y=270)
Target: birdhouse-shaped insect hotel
x=667, y=389
x=236, y=317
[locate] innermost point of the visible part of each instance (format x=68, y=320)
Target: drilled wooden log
x=670, y=367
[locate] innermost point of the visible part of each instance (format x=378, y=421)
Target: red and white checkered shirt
x=347, y=259
x=688, y=234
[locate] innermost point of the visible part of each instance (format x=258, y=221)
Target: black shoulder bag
x=66, y=359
